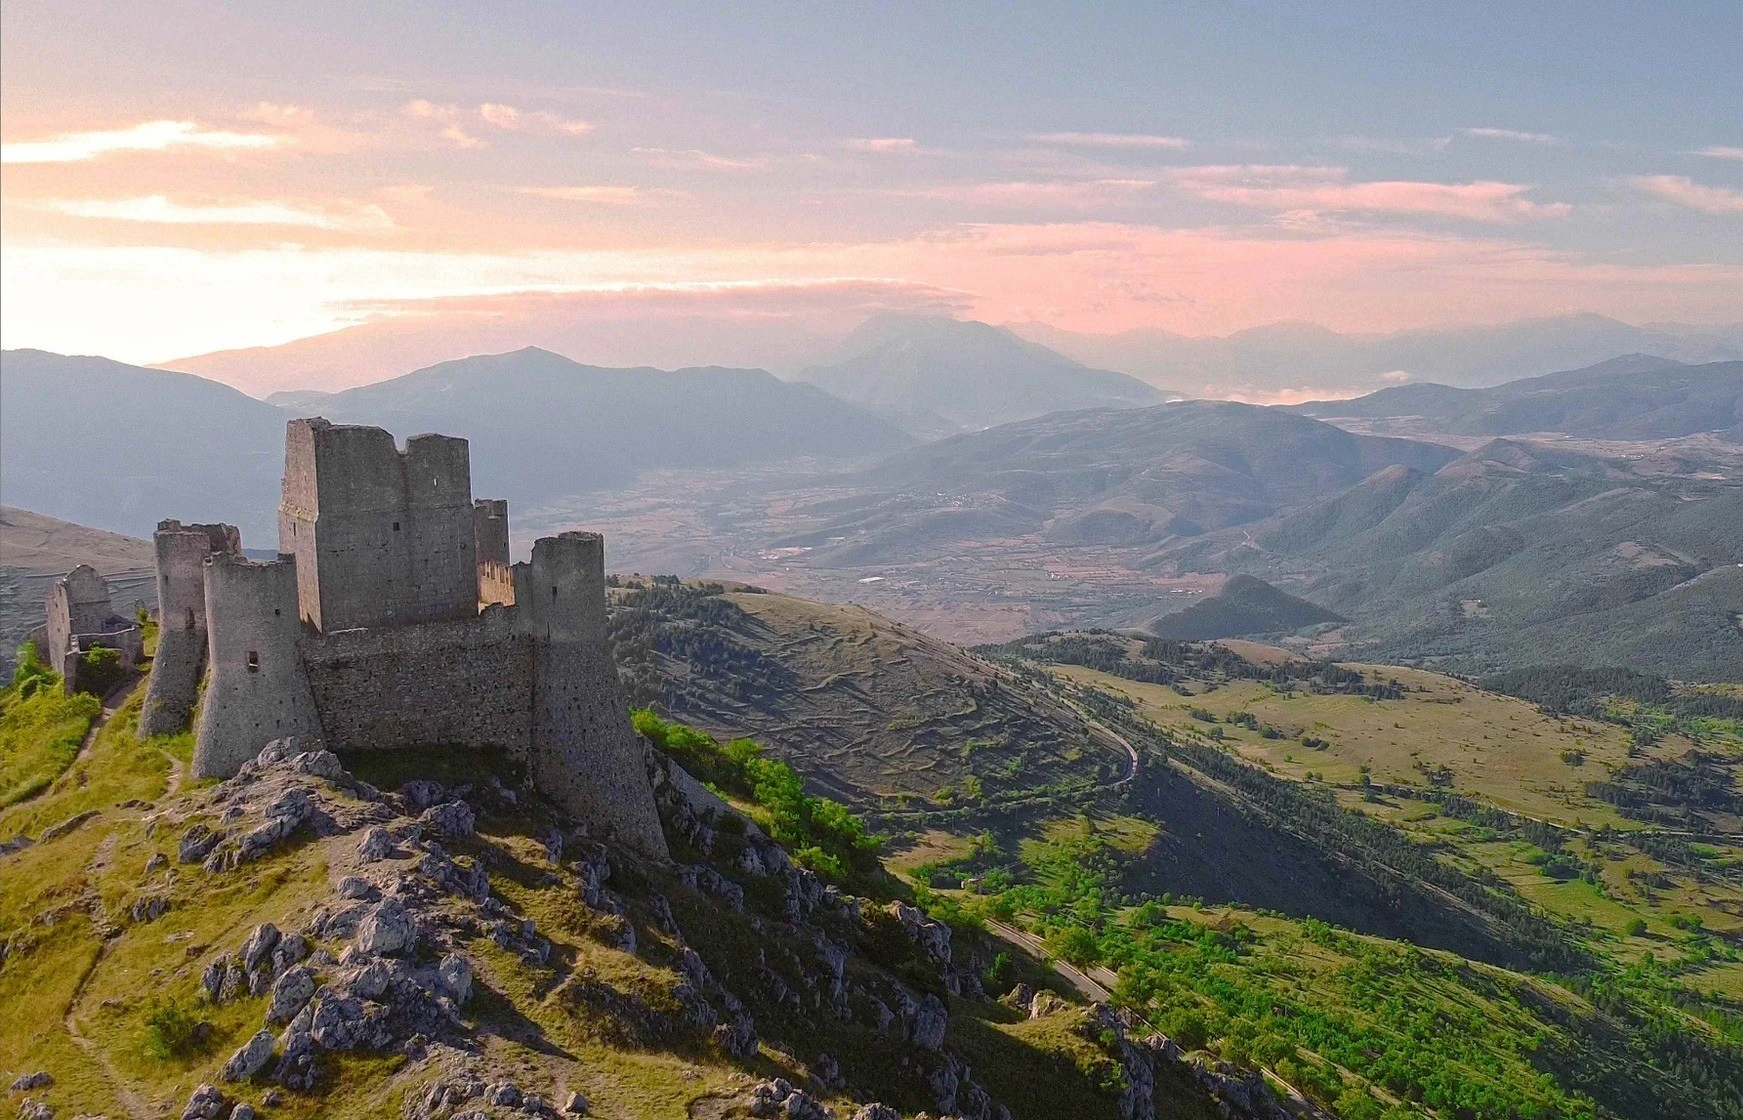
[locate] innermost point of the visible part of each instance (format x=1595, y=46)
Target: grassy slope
x=863, y=707
x=79, y=977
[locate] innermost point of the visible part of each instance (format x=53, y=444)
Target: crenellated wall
x=256, y=688
x=180, y=659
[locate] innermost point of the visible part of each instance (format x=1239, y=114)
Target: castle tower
x=80, y=616
x=490, y=529
x=585, y=754
x=257, y=689
x=381, y=536
x=181, y=616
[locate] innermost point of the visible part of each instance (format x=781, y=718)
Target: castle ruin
x=392, y=619
x=82, y=618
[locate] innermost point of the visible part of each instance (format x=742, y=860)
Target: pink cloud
x=1298, y=188
x=1079, y=195
x=1108, y=140
x=1684, y=191
x=881, y=145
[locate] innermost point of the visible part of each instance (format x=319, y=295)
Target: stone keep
x=393, y=620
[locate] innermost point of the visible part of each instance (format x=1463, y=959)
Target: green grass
x=39, y=738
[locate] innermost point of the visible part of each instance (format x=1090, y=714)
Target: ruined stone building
x=392, y=619
x=81, y=618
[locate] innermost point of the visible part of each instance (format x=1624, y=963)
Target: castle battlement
x=392, y=620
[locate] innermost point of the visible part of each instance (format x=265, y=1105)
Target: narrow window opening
x=275, y=612
x=553, y=591
x=188, y=624
x=396, y=526
x=253, y=661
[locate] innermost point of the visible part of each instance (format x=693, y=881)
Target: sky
x=180, y=178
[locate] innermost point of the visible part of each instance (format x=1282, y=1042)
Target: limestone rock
x=319, y=764
x=196, y=843
x=421, y=793
x=876, y=1111
x=387, y=929
x=250, y=1058
x=41, y=1079
x=206, y=1103
x=576, y=1105
x=259, y=945
x=455, y=975
x=295, y=988
x=35, y=1109
x=376, y=845
x=453, y=819
x=924, y=1021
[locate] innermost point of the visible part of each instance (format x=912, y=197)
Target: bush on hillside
x=821, y=834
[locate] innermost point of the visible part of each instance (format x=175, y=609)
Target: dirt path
x=1094, y=984
x=111, y=704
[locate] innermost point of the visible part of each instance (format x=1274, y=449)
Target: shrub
x=33, y=674
x=171, y=1031
x=100, y=670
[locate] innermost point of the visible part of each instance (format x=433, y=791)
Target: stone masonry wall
x=180, y=659
x=490, y=530
x=463, y=682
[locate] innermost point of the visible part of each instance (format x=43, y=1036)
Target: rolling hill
x=1516, y=553
x=1113, y=477
x=1635, y=397
x=935, y=375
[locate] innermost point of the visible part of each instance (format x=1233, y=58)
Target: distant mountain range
x=936, y=376
x=1286, y=361
x=1123, y=477
x=1634, y=397
x=119, y=447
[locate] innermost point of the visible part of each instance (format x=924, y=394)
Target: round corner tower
x=257, y=689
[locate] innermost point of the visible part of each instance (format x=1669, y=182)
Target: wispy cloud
x=510, y=119
x=157, y=208
x=1684, y=191
x=1721, y=151
x=1510, y=134
x=1077, y=195
x=1108, y=140
x=1294, y=188
x=148, y=136
x=881, y=144
x=696, y=157
x=606, y=196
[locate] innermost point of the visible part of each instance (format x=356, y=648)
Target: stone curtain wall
x=451, y=683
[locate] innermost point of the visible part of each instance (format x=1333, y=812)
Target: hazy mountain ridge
x=936, y=375
x=120, y=447
x=1263, y=362
x=1634, y=397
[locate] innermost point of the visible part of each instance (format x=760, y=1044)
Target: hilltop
x=1635, y=397
x=1244, y=605
x=936, y=375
